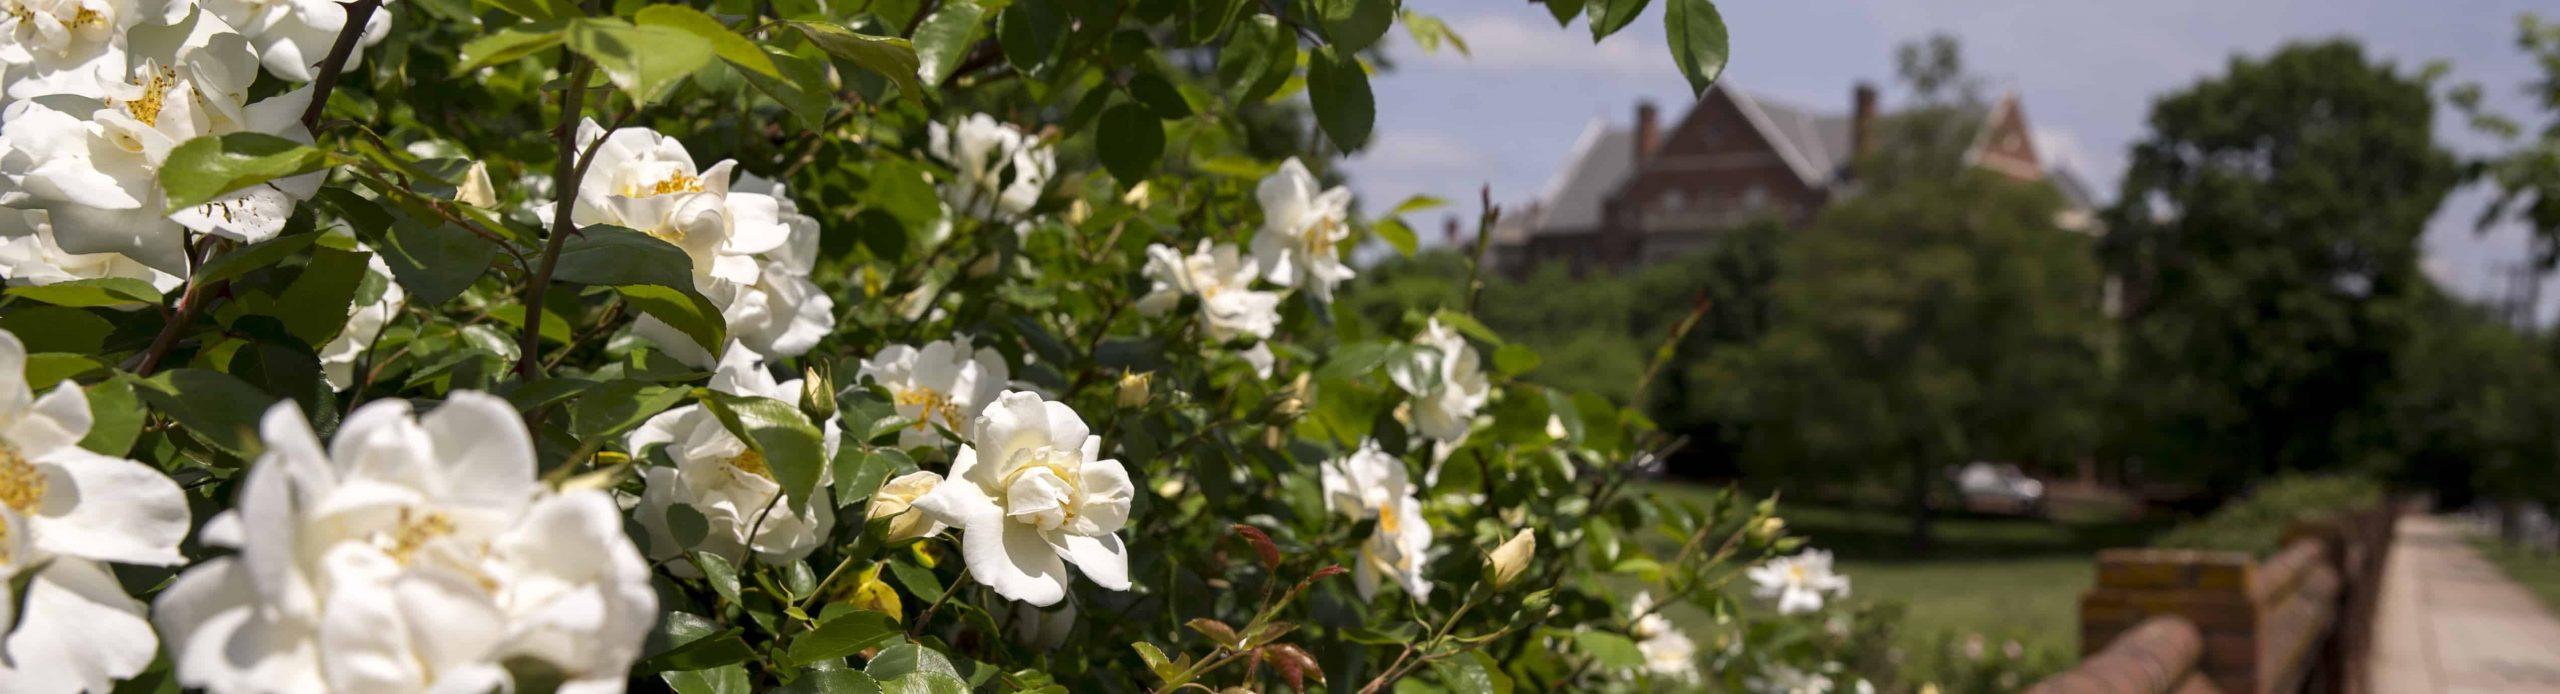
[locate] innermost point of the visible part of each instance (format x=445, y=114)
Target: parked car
x=1989, y=487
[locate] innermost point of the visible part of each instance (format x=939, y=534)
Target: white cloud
x=1514, y=42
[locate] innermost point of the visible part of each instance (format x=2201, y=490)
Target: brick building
x=1643, y=194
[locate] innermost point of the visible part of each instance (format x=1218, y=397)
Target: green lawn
x=2538, y=572
x=2003, y=578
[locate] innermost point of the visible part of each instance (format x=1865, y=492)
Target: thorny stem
x=565, y=175
x=359, y=13
x=927, y=614
x=190, y=303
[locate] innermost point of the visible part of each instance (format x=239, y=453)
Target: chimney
x=1862, y=119
x=1648, y=130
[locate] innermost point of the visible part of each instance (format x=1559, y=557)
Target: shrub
x=2256, y=523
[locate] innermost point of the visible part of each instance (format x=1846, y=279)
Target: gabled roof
x=1813, y=146
x=1599, y=161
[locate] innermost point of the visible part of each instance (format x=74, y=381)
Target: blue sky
x=2088, y=71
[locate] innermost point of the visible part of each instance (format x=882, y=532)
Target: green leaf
x=1029, y=31
x=722, y=575
x=724, y=43
x=615, y=256
x=858, y=472
x=103, y=292
x=315, y=307
x=536, y=10
x=831, y=680
x=841, y=636
x=1515, y=359
x=892, y=57
x=1472, y=671
x=702, y=643
x=946, y=37
x=1262, y=55
x=1159, y=95
x=212, y=405
x=1131, y=141
x=918, y=580
x=684, y=309
x=802, y=88
x=1398, y=235
x=509, y=45
x=644, y=61
x=726, y=679
x=906, y=660
x=1418, y=203
x=207, y=168
x=791, y=446
x=1338, y=87
x=1608, y=16
x=1698, y=41
x=44, y=370
x=1613, y=651
x=613, y=407
x=1564, y=10
x=1203, y=20
x=239, y=261
x=115, y=417
x=1355, y=25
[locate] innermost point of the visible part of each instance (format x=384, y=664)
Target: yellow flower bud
x=896, y=501
x=1135, y=389
x=1508, y=560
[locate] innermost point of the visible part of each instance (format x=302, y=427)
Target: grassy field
x=2003, y=578
x=2538, y=572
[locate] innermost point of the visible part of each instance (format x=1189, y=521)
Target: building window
x=1754, y=198
x=1674, y=201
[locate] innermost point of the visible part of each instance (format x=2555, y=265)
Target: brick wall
x=2298, y=620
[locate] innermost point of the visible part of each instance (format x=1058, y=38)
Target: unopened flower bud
x=1507, y=561
x=1135, y=389
x=896, y=501
x=475, y=189
x=818, y=394
x=1767, y=529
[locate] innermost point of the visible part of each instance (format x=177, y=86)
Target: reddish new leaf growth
x=1294, y=664
x=1327, y=572
x=1263, y=549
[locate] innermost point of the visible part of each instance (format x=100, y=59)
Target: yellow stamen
x=414, y=532
x=674, y=183
x=930, y=403
x=753, y=463
x=155, y=94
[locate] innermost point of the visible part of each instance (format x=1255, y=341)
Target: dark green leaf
x=1203, y=20
x=842, y=636
x=1515, y=359
x=107, y=292
x=1338, y=87
x=315, y=307
x=947, y=37
x=683, y=309
x=536, y=10
x=1130, y=141
x=722, y=575
x=44, y=370
x=1698, y=41
x=613, y=407
x=831, y=680
x=1564, y=10
x=615, y=256
x=802, y=88
x=212, y=405
x=701, y=643
x=1029, y=31
x=209, y=167
x=726, y=679
x=1355, y=25
x=115, y=417
x=1258, y=59
x=1159, y=95
x=1608, y=16
x=239, y=261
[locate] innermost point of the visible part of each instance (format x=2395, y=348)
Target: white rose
x=1302, y=231
x=30, y=257
x=413, y=553
x=782, y=314
x=941, y=384
x=1797, y=583
x=1446, y=410
x=365, y=321
x=998, y=169
x=1371, y=484
x=92, y=162
x=1029, y=497
x=1667, y=651
x=1229, y=307
x=292, y=36
x=716, y=474
x=896, y=501
x=647, y=182
x=64, y=513
x=69, y=46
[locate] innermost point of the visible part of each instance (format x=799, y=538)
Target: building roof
x=1814, y=146
x=1599, y=161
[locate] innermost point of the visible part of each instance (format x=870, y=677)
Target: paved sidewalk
x=2451, y=622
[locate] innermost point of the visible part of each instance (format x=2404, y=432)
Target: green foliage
x=2268, y=242
x=2257, y=523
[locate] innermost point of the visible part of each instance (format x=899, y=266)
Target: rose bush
x=534, y=345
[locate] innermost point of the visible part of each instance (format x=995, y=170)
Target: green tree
x=1922, y=326
x=2267, y=233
